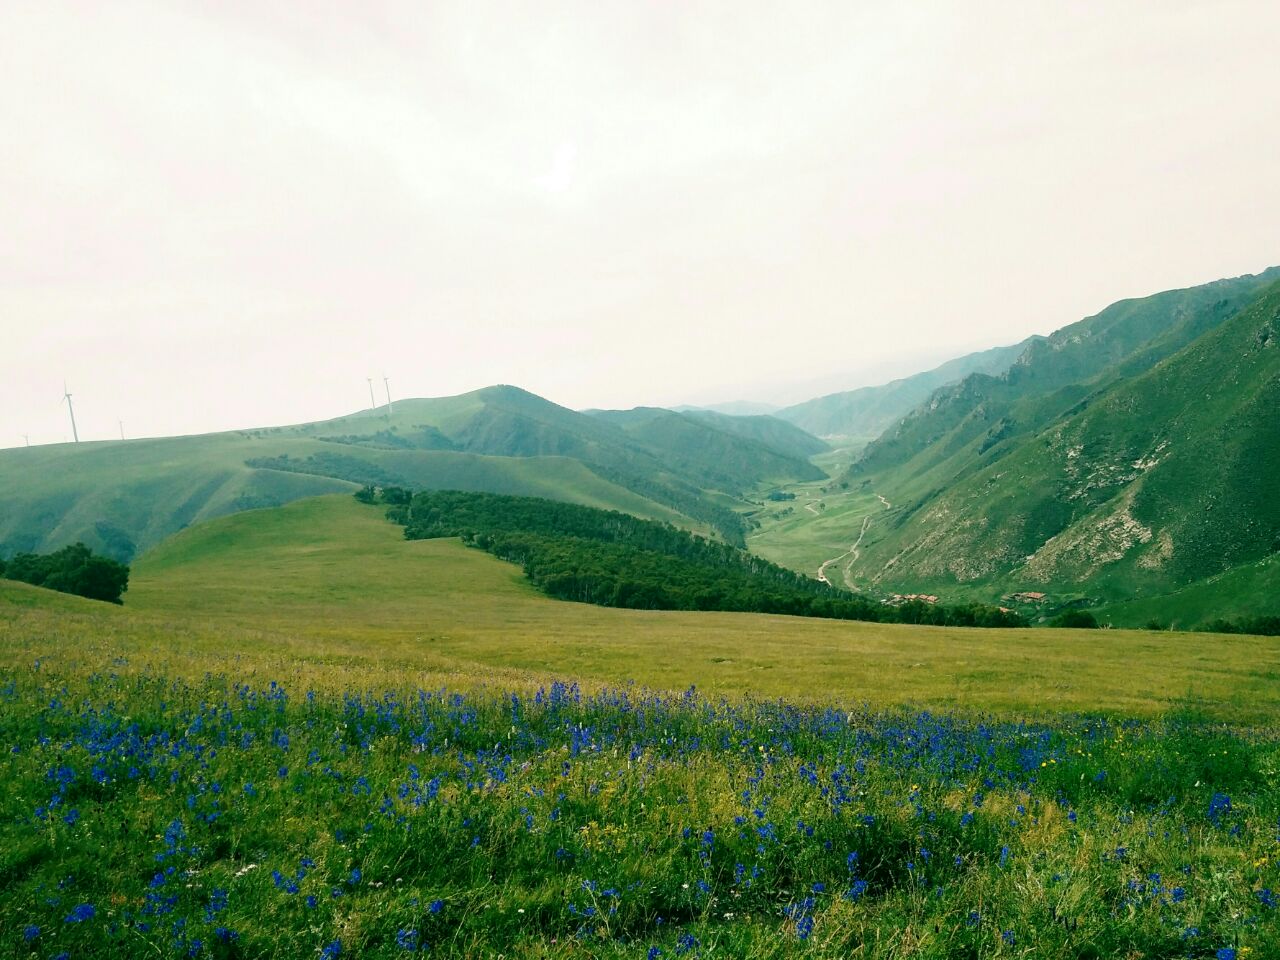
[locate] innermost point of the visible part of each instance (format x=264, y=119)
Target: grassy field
x=822, y=522
x=327, y=581
x=304, y=736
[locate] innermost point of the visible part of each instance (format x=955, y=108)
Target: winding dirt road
x=851, y=553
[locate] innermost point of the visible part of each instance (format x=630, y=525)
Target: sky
x=231, y=214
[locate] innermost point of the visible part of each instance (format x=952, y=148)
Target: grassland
x=305, y=736
x=328, y=582
x=821, y=523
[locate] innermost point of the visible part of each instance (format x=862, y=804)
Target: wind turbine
x=372, y=402
x=387, y=384
x=66, y=395
x=121, y=422
x=27, y=438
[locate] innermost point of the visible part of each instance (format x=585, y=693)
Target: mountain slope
x=786, y=438
x=1151, y=484
x=959, y=424
x=730, y=453
x=869, y=411
x=120, y=497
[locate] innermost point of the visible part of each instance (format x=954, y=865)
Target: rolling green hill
x=869, y=411
x=324, y=593
x=1154, y=484
x=122, y=497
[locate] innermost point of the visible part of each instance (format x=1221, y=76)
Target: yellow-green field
x=328, y=583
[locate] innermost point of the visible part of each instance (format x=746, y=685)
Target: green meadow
x=328, y=582
x=303, y=736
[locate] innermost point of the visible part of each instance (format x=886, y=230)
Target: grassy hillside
x=1152, y=484
x=327, y=582
x=121, y=498
x=779, y=435
x=947, y=436
x=14, y=594
x=729, y=454
x=869, y=411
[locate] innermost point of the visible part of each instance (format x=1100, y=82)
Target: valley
x=348, y=740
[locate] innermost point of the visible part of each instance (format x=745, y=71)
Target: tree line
x=75, y=569
x=613, y=559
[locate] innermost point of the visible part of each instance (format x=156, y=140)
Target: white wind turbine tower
x=373, y=404
x=387, y=384
x=66, y=395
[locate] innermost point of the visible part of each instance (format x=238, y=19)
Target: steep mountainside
x=122, y=497
x=869, y=411
x=949, y=435
x=1143, y=487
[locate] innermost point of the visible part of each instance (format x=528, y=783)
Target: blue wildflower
x=82, y=912
x=1219, y=804
x=407, y=939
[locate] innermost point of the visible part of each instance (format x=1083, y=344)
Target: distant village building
x=1028, y=596
x=900, y=598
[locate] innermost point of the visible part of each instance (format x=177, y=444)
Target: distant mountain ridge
x=869, y=411
x=733, y=408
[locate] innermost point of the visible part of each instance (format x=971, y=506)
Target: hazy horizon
x=228, y=216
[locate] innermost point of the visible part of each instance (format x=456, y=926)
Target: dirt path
x=851, y=553
x=887, y=504
x=811, y=508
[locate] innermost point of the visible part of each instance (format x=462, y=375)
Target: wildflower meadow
x=145, y=815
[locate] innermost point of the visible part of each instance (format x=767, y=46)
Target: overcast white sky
x=230, y=214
